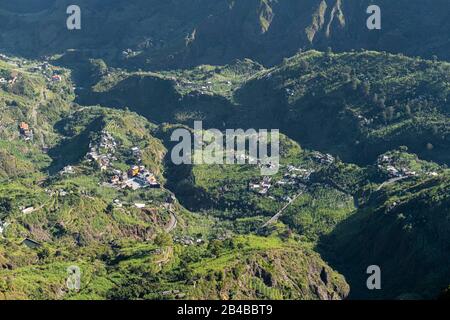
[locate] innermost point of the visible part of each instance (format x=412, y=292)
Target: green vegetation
x=53, y=194
x=403, y=227
x=363, y=173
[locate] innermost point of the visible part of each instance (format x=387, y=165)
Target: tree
x=390, y=113
x=110, y=208
x=43, y=253
x=435, y=129
x=408, y=109
x=366, y=88
x=382, y=103
x=375, y=98
x=355, y=84
x=215, y=247
x=163, y=239
x=5, y=207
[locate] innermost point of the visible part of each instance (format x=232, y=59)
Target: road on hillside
x=279, y=213
x=391, y=181
x=172, y=223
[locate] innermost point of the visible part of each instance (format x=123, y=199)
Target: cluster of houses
x=387, y=163
x=195, y=88
x=43, y=68
x=135, y=178
x=50, y=74
x=103, y=151
x=25, y=131
x=326, y=159
x=262, y=187
x=294, y=177
x=188, y=240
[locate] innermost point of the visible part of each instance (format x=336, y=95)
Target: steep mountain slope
x=355, y=105
x=245, y=267
x=267, y=274
x=75, y=179
x=403, y=228
x=168, y=34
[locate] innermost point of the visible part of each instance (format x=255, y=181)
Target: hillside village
x=44, y=68
x=107, y=182
x=19, y=70
x=396, y=167
x=102, y=154
x=293, y=178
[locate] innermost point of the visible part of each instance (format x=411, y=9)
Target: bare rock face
x=289, y=273
x=184, y=33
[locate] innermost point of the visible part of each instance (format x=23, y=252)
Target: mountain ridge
x=217, y=33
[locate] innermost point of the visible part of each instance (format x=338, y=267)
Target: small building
x=28, y=210
x=115, y=180
x=134, y=171
x=56, y=78
x=31, y=243
x=67, y=170
x=136, y=151
x=25, y=131
x=23, y=127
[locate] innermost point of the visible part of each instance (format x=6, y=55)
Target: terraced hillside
x=67, y=199
x=87, y=182
x=355, y=105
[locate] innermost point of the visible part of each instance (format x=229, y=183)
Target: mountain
x=356, y=105
x=404, y=228
x=86, y=176
x=154, y=34
x=60, y=206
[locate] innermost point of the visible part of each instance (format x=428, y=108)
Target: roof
x=24, y=126
x=31, y=242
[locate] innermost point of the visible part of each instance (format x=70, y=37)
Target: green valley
x=88, y=183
